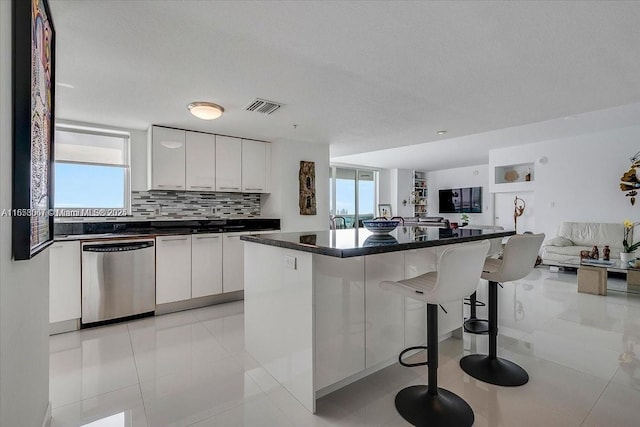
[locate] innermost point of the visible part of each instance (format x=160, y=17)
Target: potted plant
x=464, y=220
x=629, y=251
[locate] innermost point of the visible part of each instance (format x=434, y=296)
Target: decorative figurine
x=527, y=177
x=606, y=253
x=595, y=254
x=518, y=210
x=584, y=255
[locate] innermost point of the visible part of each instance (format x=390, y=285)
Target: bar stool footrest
x=467, y=301
x=496, y=371
x=445, y=409
x=476, y=326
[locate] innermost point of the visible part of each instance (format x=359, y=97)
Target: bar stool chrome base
x=496, y=371
x=476, y=326
x=446, y=409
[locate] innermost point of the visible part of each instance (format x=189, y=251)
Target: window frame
x=64, y=213
x=357, y=169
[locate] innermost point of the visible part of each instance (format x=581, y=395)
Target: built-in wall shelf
x=510, y=178
x=419, y=194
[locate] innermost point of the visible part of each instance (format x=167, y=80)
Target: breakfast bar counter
x=315, y=316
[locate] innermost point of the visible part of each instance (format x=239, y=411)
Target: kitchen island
x=315, y=316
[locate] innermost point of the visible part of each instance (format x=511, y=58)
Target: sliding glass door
x=353, y=195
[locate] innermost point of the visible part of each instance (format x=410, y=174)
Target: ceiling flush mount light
x=205, y=110
x=441, y=132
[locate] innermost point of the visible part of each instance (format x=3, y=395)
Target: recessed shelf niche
x=514, y=173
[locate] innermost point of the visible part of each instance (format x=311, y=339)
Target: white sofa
x=574, y=237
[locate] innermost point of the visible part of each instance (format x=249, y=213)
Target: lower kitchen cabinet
x=384, y=310
x=233, y=262
x=64, y=281
x=173, y=268
x=206, y=265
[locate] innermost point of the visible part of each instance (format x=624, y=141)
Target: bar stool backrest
x=519, y=257
x=459, y=270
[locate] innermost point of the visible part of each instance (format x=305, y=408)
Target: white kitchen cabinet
x=64, y=281
x=339, y=321
x=228, y=164
x=200, y=161
x=206, y=265
x=384, y=310
x=254, y=166
x=167, y=159
x=173, y=268
x=232, y=262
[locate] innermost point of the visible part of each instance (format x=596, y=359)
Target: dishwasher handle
x=118, y=247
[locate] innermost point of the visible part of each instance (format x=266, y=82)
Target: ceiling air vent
x=262, y=106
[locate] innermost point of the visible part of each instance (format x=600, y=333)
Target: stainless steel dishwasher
x=118, y=279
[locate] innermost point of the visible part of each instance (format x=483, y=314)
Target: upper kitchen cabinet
x=182, y=160
x=167, y=159
x=228, y=164
x=201, y=161
x=256, y=158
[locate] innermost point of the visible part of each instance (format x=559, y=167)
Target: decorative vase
x=625, y=257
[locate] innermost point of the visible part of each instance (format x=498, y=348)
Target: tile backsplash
x=171, y=204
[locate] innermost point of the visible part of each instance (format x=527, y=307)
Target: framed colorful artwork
x=33, y=91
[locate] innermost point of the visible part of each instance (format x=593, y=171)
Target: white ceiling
x=362, y=76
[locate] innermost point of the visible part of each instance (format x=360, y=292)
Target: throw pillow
x=560, y=241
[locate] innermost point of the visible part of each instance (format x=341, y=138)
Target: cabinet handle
x=170, y=186
x=207, y=237
x=229, y=188
x=165, y=239
x=57, y=247
x=256, y=189
x=200, y=186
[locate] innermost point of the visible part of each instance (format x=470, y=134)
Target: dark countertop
x=358, y=242
x=65, y=231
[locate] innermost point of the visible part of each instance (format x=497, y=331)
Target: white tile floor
x=190, y=369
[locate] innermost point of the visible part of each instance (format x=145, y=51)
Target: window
x=91, y=172
x=351, y=188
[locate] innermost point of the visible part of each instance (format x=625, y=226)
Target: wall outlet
x=214, y=211
x=158, y=210
x=290, y=262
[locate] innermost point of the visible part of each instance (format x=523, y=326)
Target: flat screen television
x=461, y=200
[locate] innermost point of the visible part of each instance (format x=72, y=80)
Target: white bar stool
x=458, y=275
x=518, y=260
x=473, y=325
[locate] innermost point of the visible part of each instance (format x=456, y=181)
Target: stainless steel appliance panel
x=118, y=279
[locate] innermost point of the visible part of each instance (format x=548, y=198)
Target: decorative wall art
x=33, y=121
x=629, y=183
x=307, y=177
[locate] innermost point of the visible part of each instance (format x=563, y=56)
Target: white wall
x=471, y=176
x=138, y=148
x=283, y=201
x=580, y=181
x=24, y=286
x=400, y=188
x=384, y=187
